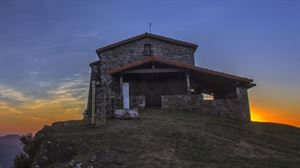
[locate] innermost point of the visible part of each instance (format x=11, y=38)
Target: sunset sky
x=46, y=47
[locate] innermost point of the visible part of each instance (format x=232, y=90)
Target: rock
x=43, y=160
x=71, y=163
x=78, y=165
x=93, y=158
x=69, y=148
x=126, y=114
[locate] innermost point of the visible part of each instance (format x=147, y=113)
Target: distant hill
x=162, y=139
x=10, y=146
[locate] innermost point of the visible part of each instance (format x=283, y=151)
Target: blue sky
x=47, y=45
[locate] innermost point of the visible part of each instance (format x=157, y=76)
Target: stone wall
x=237, y=108
x=176, y=102
x=103, y=98
x=122, y=55
x=108, y=96
x=127, y=53
x=137, y=102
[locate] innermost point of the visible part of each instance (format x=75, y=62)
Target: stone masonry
x=236, y=108
x=108, y=98
x=122, y=55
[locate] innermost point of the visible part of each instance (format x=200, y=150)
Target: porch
x=154, y=78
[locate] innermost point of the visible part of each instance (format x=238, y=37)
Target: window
x=208, y=96
x=147, y=50
x=238, y=90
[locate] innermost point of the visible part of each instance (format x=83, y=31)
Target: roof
x=149, y=35
x=177, y=64
x=95, y=63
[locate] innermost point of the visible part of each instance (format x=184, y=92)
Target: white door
x=126, y=95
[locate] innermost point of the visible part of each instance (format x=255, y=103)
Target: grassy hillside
x=169, y=139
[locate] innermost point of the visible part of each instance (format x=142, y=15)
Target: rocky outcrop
x=126, y=114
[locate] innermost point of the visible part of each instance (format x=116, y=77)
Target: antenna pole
x=149, y=27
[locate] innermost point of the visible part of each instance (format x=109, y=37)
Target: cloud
x=64, y=100
x=76, y=74
x=87, y=34
x=12, y=94
x=37, y=74
x=45, y=83
x=6, y=109
x=74, y=87
x=68, y=93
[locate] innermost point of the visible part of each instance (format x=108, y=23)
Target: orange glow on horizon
x=22, y=126
x=269, y=115
x=256, y=116
x=32, y=116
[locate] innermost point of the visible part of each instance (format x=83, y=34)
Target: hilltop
x=168, y=139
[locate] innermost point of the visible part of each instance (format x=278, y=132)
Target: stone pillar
x=243, y=102
x=87, y=112
x=95, y=76
x=103, y=99
x=104, y=96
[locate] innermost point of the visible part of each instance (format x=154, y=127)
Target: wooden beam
x=121, y=85
x=93, y=116
x=161, y=70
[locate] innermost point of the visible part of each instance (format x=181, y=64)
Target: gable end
x=147, y=35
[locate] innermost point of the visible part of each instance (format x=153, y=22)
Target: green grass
x=173, y=139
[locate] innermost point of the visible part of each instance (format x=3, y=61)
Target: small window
x=147, y=50
x=238, y=90
x=208, y=96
